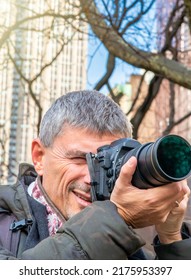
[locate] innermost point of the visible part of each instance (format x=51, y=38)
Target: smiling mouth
x=84, y=196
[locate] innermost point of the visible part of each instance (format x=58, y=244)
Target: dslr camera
x=164, y=161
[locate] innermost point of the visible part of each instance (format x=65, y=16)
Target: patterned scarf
x=54, y=222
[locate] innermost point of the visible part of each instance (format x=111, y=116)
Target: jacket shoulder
x=26, y=169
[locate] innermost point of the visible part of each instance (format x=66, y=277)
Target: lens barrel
x=164, y=161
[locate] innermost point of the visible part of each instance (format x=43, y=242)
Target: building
x=173, y=102
x=171, y=95
x=132, y=91
x=43, y=58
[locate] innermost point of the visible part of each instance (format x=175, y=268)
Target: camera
x=166, y=160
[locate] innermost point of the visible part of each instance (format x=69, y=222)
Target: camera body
x=164, y=161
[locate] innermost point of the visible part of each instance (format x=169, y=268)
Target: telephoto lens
x=164, y=161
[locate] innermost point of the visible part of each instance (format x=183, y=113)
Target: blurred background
x=136, y=52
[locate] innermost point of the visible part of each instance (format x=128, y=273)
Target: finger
x=182, y=203
x=183, y=194
x=128, y=170
x=170, y=192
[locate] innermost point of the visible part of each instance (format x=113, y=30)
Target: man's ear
x=37, y=155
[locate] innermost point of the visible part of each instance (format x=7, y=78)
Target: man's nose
x=87, y=178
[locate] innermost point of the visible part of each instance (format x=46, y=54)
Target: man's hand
x=170, y=230
x=144, y=207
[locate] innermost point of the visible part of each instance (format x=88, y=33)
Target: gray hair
x=84, y=109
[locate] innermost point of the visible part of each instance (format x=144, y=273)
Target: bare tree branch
x=137, y=93
x=187, y=4
x=157, y=63
x=6, y=35
x=142, y=110
x=110, y=68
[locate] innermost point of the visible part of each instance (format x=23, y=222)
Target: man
x=62, y=222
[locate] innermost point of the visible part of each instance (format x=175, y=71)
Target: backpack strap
x=10, y=230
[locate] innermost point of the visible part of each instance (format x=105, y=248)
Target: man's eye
x=79, y=160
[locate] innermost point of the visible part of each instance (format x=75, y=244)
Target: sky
x=122, y=72
x=97, y=67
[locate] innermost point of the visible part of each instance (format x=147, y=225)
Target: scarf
x=54, y=222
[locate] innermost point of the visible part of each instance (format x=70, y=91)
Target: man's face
x=64, y=169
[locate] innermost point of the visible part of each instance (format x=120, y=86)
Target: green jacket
x=97, y=232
